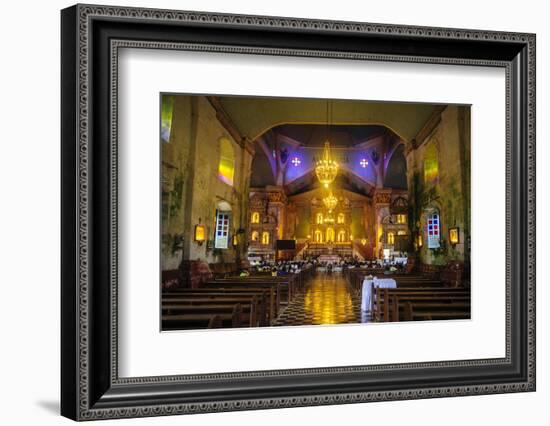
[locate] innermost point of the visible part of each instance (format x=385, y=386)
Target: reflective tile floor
x=326, y=300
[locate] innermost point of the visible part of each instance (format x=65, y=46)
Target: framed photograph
x=263, y=212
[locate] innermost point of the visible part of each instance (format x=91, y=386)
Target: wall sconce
x=200, y=233
x=235, y=240
x=364, y=241
x=453, y=236
x=419, y=240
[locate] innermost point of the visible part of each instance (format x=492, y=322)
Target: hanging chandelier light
x=330, y=202
x=326, y=168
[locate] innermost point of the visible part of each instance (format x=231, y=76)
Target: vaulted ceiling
x=253, y=116
x=367, y=139
x=369, y=156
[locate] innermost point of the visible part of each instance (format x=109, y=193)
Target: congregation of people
x=284, y=267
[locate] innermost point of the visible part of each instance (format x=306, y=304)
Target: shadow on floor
x=50, y=406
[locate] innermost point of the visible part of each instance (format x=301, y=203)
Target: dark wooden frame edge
x=90, y=388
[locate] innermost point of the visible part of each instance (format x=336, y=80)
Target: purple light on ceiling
x=364, y=162
x=296, y=161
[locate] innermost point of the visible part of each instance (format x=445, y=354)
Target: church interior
x=287, y=212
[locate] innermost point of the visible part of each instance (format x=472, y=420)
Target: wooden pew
x=416, y=312
x=296, y=281
x=228, y=285
x=215, y=322
x=263, y=312
x=445, y=305
x=388, y=304
x=248, y=314
x=356, y=276
x=193, y=303
x=194, y=321
x=289, y=284
x=382, y=299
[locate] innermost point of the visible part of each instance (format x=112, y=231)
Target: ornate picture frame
x=91, y=387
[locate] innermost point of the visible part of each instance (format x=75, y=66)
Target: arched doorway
x=223, y=219
x=341, y=236
x=318, y=236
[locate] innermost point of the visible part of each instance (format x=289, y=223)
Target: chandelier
x=330, y=202
x=326, y=168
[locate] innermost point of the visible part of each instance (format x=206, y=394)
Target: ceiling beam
x=431, y=123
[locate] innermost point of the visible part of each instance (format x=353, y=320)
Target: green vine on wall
x=176, y=196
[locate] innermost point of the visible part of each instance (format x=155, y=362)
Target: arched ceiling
x=255, y=115
x=396, y=171
x=286, y=156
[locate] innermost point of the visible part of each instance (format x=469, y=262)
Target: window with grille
x=434, y=230
x=222, y=229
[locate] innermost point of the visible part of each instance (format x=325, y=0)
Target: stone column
x=382, y=198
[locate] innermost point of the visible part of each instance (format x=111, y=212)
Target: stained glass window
x=166, y=112
x=431, y=167
x=226, y=169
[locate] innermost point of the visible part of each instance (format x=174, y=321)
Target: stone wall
x=176, y=173
x=449, y=191
x=192, y=188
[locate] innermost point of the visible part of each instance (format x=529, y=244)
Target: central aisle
x=326, y=300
